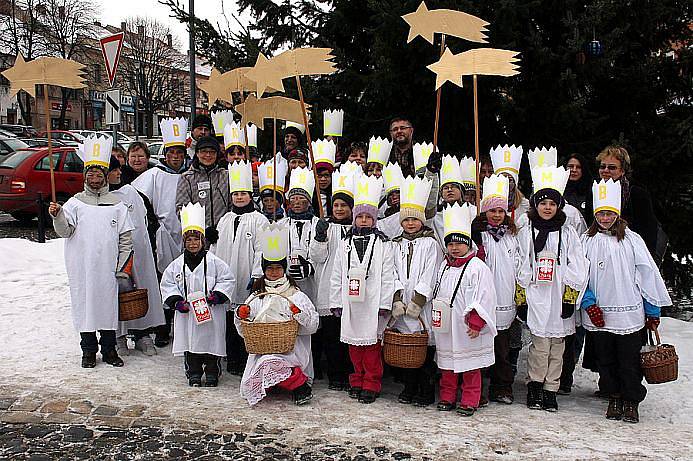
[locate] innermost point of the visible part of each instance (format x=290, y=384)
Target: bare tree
x=69, y=32
x=153, y=68
x=21, y=31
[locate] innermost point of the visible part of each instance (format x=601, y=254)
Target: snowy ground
x=41, y=352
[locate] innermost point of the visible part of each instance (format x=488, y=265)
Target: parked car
x=20, y=130
x=10, y=145
x=7, y=134
x=84, y=133
x=42, y=142
x=67, y=137
x=156, y=149
x=123, y=139
x=25, y=174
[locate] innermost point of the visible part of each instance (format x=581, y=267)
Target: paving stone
x=82, y=407
x=105, y=410
x=64, y=418
x=55, y=406
x=146, y=422
x=110, y=421
x=134, y=411
x=19, y=417
x=78, y=433
x=6, y=402
x=26, y=405
x=38, y=431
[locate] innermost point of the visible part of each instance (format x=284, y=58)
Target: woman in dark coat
x=578, y=190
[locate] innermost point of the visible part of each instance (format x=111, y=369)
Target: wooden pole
x=476, y=144
x=310, y=145
x=245, y=129
x=50, y=142
x=274, y=168
x=438, y=95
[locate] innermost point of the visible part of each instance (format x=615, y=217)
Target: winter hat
x=300, y=192
x=206, y=142
x=413, y=198
x=274, y=244
x=265, y=193
x=202, y=120
x=367, y=197
x=265, y=264
x=547, y=193
x=297, y=153
x=549, y=183
x=343, y=196
x=364, y=208
x=496, y=189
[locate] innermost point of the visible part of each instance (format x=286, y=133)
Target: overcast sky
x=115, y=11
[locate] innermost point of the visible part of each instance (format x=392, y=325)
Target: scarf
x=497, y=232
x=192, y=260
x=545, y=227
x=361, y=231
x=305, y=216
x=270, y=215
x=511, y=198
x=459, y=262
x=280, y=286
x=249, y=208
x=424, y=232
x=344, y=222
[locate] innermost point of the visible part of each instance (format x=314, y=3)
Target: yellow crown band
x=174, y=144
x=607, y=208
x=345, y=192
x=194, y=228
x=412, y=206
x=96, y=163
x=269, y=186
x=507, y=168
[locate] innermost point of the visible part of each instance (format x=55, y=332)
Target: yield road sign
x=110, y=49
x=113, y=107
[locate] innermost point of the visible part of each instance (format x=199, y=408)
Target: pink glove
x=182, y=306
x=474, y=321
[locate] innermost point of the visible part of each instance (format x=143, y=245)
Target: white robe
x=143, y=267
x=421, y=277
x=520, y=214
x=621, y=275
x=91, y=260
x=361, y=323
x=241, y=250
x=298, y=246
x=188, y=336
x=323, y=256
x=503, y=259
x=160, y=188
x=455, y=350
x=267, y=370
x=390, y=226
x=545, y=300
x=573, y=218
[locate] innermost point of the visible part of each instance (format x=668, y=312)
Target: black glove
x=301, y=270
x=435, y=162
x=522, y=313
x=567, y=311
x=321, y=230
x=478, y=226
x=212, y=235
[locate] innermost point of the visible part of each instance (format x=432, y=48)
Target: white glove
x=413, y=310
x=398, y=309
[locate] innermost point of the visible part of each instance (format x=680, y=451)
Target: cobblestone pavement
x=40, y=427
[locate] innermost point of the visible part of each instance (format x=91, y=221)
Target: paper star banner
x=269, y=73
x=255, y=110
x=43, y=71
x=425, y=23
x=220, y=86
x=480, y=61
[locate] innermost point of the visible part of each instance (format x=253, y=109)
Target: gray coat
x=209, y=188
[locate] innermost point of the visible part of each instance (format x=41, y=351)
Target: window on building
x=97, y=73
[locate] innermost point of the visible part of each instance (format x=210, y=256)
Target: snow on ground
x=41, y=352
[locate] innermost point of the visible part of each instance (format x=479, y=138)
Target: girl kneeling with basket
x=276, y=323
x=624, y=295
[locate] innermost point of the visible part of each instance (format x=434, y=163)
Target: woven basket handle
x=651, y=341
x=254, y=296
x=392, y=321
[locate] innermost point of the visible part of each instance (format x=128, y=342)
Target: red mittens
x=596, y=315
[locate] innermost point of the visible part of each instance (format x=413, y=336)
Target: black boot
x=368, y=396
x=355, y=392
x=111, y=358
x=615, y=409
x=630, y=412
x=195, y=381
x=303, y=394
x=548, y=401
x=534, y=395
x=88, y=359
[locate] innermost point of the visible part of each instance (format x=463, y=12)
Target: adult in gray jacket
x=206, y=183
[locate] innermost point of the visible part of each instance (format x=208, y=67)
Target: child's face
x=274, y=272
x=234, y=154
x=340, y=209
x=457, y=249
x=547, y=209
x=240, y=199
x=451, y=193
x=393, y=198
x=605, y=218
x=411, y=225
x=193, y=242
x=269, y=204
x=470, y=196
x=324, y=179
x=364, y=220
x=375, y=169
x=495, y=216
x=299, y=203
x=357, y=156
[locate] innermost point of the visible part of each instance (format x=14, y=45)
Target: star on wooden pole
x=425, y=23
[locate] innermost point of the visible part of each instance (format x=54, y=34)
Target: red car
x=26, y=173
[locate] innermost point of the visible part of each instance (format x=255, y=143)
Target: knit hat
x=265, y=264
x=206, y=142
x=298, y=153
x=202, y=120
x=406, y=212
x=299, y=191
x=342, y=196
x=364, y=208
x=548, y=193
x=414, y=194
x=459, y=238
x=268, y=193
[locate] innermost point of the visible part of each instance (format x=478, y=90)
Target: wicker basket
x=270, y=337
x=405, y=350
x=133, y=305
x=660, y=365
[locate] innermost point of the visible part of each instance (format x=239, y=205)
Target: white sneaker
x=146, y=345
x=122, y=345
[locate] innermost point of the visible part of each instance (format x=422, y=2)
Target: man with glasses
x=401, y=134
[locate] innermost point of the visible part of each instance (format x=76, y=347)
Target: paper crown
x=174, y=131
x=233, y=135
x=606, y=196
x=543, y=157
x=414, y=193
x=274, y=242
x=220, y=119
x=333, y=122
x=421, y=153
x=457, y=219
x=300, y=127
x=343, y=182
x=240, y=177
x=392, y=177
x=368, y=190
x=192, y=218
x=496, y=189
x=379, y=150
x=350, y=167
x=507, y=159
x=251, y=131
x=324, y=151
x=450, y=171
x=550, y=177
x=96, y=151
x=302, y=178
x=266, y=172
x=468, y=171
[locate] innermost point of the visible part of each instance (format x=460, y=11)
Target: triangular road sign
x=110, y=48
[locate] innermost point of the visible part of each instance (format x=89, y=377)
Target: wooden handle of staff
x=310, y=145
x=47, y=111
